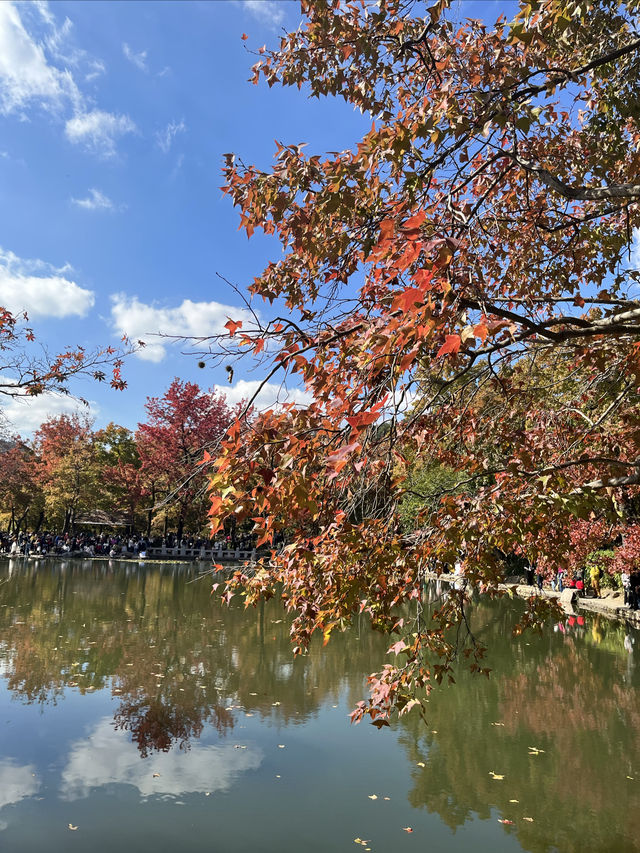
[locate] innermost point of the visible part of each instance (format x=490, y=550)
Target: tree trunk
x=150, y=513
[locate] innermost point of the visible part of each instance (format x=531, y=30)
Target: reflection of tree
x=559, y=694
x=175, y=659
x=155, y=725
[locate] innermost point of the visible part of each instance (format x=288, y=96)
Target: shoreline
x=611, y=604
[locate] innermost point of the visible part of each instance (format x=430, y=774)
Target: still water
x=138, y=714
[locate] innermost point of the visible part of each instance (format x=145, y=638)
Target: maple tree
x=28, y=369
x=123, y=487
x=67, y=471
x=19, y=491
x=479, y=229
x=170, y=442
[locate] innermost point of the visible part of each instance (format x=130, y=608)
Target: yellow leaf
x=71, y=826
x=373, y=796
x=514, y=801
x=529, y=819
x=421, y=764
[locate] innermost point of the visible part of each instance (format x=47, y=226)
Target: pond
x=137, y=713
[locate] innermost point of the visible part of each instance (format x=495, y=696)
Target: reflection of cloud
x=16, y=782
x=110, y=758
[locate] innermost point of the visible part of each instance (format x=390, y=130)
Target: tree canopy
x=458, y=291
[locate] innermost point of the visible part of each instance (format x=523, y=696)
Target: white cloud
x=108, y=757
x=40, y=289
x=24, y=415
x=26, y=77
x=98, y=130
x=190, y=319
x=16, y=781
x=268, y=11
x=96, y=69
x=137, y=59
x=270, y=395
x=165, y=137
x=95, y=201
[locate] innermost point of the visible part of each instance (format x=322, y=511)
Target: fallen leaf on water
x=280, y=746
x=529, y=819
x=278, y=776
x=407, y=829
x=497, y=724
x=434, y=731
x=386, y=798
x=421, y=764
x=497, y=776
x=373, y=796
x=248, y=715
x=514, y=801
x=207, y=793
x=253, y=694
x=71, y=826
x=155, y=775
x=504, y=820
x=631, y=777
x=274, y=704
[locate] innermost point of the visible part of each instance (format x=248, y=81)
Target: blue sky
x=114, y=118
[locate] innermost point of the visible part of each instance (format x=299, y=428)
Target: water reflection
x=108, y=758
x=173, y=659
x=550, y=743
x=206, y=695
x=17, y=782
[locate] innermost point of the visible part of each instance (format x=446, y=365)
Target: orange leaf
x=451, y=344
x=407, y=299
x=233, y=326
x=481, y=331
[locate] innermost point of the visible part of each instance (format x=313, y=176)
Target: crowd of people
x=90, y=544
x=589, y=582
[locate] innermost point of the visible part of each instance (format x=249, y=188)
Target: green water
x=136, y=709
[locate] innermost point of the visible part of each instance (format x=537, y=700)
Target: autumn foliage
x=455, y=288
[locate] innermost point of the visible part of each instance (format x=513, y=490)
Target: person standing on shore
x=625, y=580
x=595, y=575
